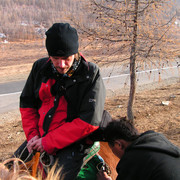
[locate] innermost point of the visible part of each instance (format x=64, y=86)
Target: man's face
x=62, y=64
x=117, y=149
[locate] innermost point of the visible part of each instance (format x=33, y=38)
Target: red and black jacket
x=60, y=108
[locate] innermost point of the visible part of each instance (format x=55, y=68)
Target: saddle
x=93, y=164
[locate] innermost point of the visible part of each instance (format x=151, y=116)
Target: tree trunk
x=130, y=114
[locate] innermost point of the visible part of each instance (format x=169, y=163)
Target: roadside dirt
x=149, y=111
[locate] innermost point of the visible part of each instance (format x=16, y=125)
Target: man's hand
x=33, y=139
x=29, y=144
x=35, y=144
x=102, y=175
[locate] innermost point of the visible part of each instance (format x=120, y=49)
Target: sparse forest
x=29, y=19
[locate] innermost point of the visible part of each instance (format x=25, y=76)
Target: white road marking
x=111, y=77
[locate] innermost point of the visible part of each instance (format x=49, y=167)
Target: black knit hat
x=61, y=40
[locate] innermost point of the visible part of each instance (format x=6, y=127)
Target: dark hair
x=120, y=129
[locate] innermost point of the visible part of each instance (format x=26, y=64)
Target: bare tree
x=130, y=114
x=135, y=31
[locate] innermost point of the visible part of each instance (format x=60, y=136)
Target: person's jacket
x=60, y=108
x=150, y=157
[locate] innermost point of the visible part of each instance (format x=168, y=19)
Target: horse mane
x=20, y=171
x=16, y=172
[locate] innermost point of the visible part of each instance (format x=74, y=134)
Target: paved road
x=115, y=80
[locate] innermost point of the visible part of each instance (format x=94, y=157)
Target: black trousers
x=23, y=153
x=70, y=159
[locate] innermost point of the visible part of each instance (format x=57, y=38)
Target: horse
x=110, y=159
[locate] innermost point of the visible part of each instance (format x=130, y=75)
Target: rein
x=43, y=158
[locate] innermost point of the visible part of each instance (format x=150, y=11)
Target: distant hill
x=22, y=19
